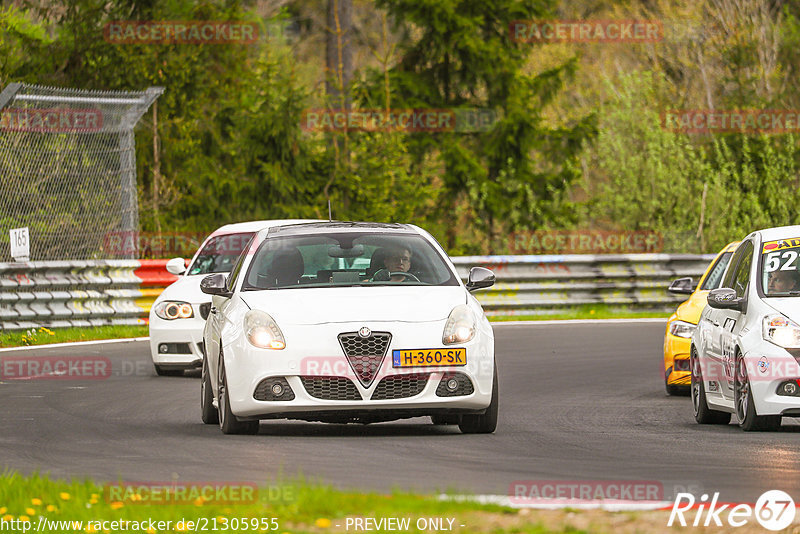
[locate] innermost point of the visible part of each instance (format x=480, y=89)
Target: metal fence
x=67, y=167
x=83, y=293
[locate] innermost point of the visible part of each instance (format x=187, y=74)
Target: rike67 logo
x=774, y=510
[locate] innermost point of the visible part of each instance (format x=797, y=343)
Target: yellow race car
x=681, y=324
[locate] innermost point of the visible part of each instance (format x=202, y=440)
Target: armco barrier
x=100, y=292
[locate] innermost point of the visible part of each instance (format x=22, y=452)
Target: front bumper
x=314, y=352
x=184, y=338
x=767, y=367
x=676, y=348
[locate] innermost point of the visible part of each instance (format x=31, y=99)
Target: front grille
x=264, y=391
x=465, y=386
x=400, y=386
x=365, y=355
x=330, y=387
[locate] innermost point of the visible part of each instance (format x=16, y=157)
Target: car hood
x=305, y=306
x=691, y=309
x=789, y=306
x=186, y=289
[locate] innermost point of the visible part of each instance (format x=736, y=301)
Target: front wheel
x=229, y=423
x=745, y=407
x=484, y=423
x=209, y=414
x=702, y=413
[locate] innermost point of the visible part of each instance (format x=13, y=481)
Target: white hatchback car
x=745, y=353
x=347, y=322
x=178, y=315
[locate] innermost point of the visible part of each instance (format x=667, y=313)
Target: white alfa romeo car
x=347, y=322
x=746, y=348
x=177, y=317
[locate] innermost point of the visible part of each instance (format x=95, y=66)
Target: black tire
x=484, y=423
x=672, y=390
x=749, y=420
x=162, y=371
x=208, y=412
x=229, y=423
x=445, y=419
x=702, y=413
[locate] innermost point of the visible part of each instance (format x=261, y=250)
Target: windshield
x=714, y=278
x=780, y=276
x=219, y=253
x=346, y=259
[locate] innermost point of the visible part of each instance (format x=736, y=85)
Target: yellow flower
x=151, y=531
x=24, y=518
x=116, y=505
x=93, y=500
x=30, y=511
x=323, y=522
x=136, y=497
x=51, y=508
x=199, y=501
x=36, y=502
x=3, y=510
x=65, y=496
x=91, y=528
x=95, y=496
x=8, y=517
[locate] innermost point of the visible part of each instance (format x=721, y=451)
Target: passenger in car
x=783, y=281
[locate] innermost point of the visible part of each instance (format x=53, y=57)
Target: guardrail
x=101, y=292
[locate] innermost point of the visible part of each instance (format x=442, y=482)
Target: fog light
x=163, y=348
x=452, y=384
x=277, y=389
x=790, y=388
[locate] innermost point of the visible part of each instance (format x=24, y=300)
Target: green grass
x=586, y=311
x=297, y=506
x=42, y=336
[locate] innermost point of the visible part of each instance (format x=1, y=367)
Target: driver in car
x=398, y=259
x=783, y=281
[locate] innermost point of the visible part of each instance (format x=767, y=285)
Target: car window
x=237, y=267
x=779, y=267
x=346, y=259
x=714, y=277
x=728, y=278
x=220, y=253
x=742, y=274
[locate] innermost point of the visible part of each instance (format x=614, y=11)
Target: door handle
x=213, y=309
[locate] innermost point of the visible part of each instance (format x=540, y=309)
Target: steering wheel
x=384, y=276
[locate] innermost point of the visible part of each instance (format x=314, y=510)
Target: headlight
x=781, y=331
x=262, y=331
x=682, y=329
x=170, y=309
x=460, y=326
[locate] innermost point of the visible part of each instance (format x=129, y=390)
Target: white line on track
x=577, y=321
x=543, y=504
x=77, y=344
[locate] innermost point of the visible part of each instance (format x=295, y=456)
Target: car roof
x=255, y=226
x=319, y=227
x=780, y=232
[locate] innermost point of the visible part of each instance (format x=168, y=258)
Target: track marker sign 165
x=20, y=244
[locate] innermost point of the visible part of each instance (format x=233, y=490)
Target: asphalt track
x=578, y=402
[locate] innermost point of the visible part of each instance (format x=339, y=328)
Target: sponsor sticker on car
x=780, y=244
x=429, y=357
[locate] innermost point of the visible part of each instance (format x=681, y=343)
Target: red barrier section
x=153, y=273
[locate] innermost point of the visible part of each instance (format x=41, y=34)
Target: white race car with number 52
x=745, y=353
x=347, y=322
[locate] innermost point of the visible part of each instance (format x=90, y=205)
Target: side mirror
x=176, y=266
x=682, y=286
x=215, y=284
x=724, y=298
x=480, y=277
